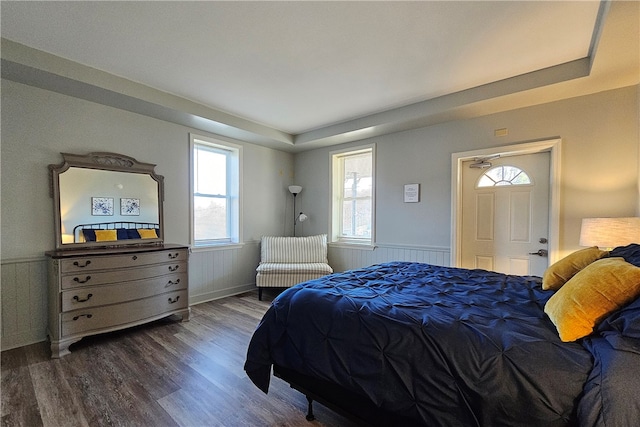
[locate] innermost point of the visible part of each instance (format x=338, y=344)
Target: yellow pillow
x=559, y=272
x=106, y=235
x=147, y=233
x=591, y=295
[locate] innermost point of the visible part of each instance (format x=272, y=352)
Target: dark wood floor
x=165, y=373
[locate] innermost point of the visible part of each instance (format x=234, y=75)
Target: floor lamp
x=295, y=190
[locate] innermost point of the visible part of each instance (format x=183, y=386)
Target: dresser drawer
x=110, y=316
x=91, y=263
x=81, y=298
x=93, y=278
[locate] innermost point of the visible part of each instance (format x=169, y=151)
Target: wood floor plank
x=187, y=410
x=251, y=311
x=19, y=405
x=56, y=399
x=239, y=388
x=161, y=374
x=152, y=377
x=124, y=395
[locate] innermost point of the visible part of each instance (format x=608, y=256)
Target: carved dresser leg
x=61, y=348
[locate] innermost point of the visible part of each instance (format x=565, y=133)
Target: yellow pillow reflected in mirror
x=147, y=233
x=106, y=235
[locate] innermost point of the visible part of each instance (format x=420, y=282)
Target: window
x=352, y=198
x=504, y=175
x=215, y=192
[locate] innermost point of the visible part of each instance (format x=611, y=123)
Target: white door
x=505, y=214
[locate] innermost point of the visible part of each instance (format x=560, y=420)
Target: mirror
x=106, y=200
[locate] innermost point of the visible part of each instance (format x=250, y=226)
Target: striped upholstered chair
x=286, y=261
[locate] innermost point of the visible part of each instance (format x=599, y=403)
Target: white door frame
x=552, y=146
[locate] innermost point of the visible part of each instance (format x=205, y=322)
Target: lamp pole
x=295, y=190
x=294, y=214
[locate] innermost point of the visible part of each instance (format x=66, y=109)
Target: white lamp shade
x=295, y=189
x=609, y=232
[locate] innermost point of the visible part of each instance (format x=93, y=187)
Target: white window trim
x=236, y=228
x=334, y=227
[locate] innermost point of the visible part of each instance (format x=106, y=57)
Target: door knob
x=540, y=252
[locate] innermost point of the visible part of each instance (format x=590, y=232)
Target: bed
x=115, y=230
x=404, y=343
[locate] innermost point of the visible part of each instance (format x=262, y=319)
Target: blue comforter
x=447, y=346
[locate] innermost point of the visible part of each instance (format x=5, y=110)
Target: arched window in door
x=504, y=175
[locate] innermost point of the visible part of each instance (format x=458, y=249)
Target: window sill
x=352, y=245
x=218, y=247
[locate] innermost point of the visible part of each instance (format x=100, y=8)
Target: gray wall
x=599, y=167
x=37, y=125
x=600, y=175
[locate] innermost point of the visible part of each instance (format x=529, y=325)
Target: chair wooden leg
x=259, y=294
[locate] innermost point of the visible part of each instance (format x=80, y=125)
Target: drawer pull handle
x=172, y=282
x=82, y=300
x=173, y=301
x=135, y=257
x=171, y=268
x=174, y=256
x=77, y=264
x=75, y=279
x=88, y=316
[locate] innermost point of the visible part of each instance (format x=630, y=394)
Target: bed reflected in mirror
x=106, y=199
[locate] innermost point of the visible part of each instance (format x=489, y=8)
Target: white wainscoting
x=212, y=274
x=343, y=258
x=222, y=272
x=23, y=288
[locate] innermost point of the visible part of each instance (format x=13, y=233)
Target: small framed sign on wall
x=412, y=193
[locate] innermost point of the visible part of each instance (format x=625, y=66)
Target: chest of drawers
x=103, y=290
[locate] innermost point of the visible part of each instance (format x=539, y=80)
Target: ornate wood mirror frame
x=106, y=191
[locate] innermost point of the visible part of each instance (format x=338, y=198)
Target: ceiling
x=300, y=74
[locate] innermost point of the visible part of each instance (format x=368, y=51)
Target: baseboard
x=210, y=296
x=20, y=340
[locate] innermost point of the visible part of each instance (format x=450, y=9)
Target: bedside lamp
x=607, y=233
x=66, y=237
